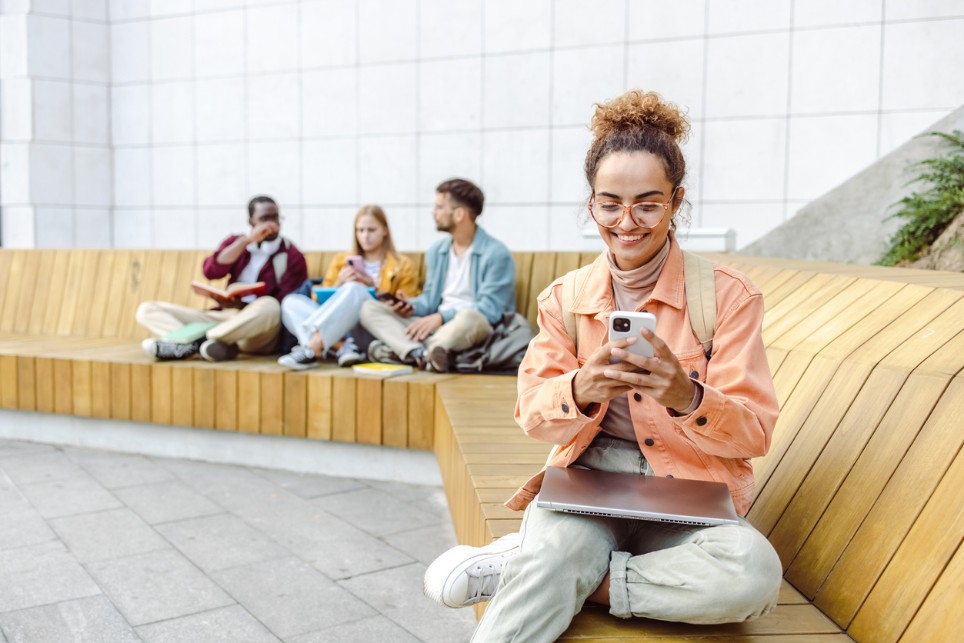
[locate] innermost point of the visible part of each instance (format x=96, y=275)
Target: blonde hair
x=378, y=214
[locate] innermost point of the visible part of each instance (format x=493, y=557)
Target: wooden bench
x=862, y=493
x=69, y=344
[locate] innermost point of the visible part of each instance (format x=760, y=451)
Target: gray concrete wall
x=850, y=223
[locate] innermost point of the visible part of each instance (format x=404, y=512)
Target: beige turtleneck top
x=631, y=290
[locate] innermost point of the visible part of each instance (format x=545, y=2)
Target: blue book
x=324, y=294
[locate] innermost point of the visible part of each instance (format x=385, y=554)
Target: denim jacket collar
x=478, y=242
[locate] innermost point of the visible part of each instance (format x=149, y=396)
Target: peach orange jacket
x=734, y=421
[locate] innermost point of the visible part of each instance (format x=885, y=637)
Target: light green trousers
x=703, y=575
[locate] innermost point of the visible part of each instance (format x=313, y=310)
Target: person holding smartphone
x=373, y=263
x=680, y=412
x=469, y=288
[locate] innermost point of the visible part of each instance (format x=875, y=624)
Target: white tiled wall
x=56, y=156
x=149, y=123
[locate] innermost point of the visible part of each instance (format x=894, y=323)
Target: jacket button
x=695, y=374
x=565, y=408
x=648, y=442
x=637, y=397
x=701, y=420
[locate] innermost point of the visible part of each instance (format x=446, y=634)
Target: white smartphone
x=624, y=324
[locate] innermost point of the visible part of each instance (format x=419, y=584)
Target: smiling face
x=370, y=233
x=628, y=178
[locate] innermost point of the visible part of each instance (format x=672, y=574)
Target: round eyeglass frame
x=629, y=209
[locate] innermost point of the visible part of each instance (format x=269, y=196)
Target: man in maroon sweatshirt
x=251, y=325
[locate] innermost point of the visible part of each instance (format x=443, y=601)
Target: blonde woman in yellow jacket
x=374, y=264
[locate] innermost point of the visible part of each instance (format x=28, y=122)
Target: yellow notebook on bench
x=381, y=370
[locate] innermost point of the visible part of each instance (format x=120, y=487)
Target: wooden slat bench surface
x=69, y=343
x=862, y=493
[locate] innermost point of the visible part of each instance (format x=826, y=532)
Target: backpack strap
x=700, y=286
x=572, y=282
x=280, y=261
x=700, y=298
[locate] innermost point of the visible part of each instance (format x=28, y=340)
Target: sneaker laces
x=486, y=577
x=302, y=353
x=175, y=350
x=348, y=346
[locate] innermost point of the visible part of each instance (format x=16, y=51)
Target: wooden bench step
x=113, y=379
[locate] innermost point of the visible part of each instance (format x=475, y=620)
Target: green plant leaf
x=929, y=212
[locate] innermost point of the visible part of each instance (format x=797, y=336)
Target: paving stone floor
x=105, y=547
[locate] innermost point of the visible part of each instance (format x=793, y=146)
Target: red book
x=233, y=292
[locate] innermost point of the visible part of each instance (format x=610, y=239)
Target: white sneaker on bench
x=465, y=575
x=164, y=350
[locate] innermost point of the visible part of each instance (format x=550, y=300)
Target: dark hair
x=639, y=121
x=259, y=199
x=464, y=193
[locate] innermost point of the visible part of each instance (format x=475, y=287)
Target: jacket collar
x=479, y=242
x=596, y=294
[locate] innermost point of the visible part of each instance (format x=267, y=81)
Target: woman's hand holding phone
x=357, y=264
x=344, y=275
x=660, y=377
x=354, y=270
x=592, y=385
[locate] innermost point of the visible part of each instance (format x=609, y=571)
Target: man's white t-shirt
x=259, y=257
x=457, y=293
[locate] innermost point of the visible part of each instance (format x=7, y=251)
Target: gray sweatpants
x=700, y=575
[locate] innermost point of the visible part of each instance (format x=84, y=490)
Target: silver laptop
x=627, y=495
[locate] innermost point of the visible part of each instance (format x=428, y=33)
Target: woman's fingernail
x=632, y=340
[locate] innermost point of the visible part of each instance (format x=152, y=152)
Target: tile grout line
x=356, y=66
x=550, y=130
x=701, y=171
x=174, y=548
x=375, y=607
x=194, y=146
x=57, y=538
x=788, y=124
x=880, y=76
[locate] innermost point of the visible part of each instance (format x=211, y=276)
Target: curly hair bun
x=636, y=109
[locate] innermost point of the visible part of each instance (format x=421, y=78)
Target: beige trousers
x=467, y=329
x=253, y=328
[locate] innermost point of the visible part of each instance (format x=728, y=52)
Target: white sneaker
x=465, y=575
x=349, y=355
x=166, y=350
x=301, y=358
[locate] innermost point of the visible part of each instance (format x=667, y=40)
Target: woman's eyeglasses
x=645, y=214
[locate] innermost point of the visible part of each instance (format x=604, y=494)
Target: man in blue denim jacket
x=469, y=286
